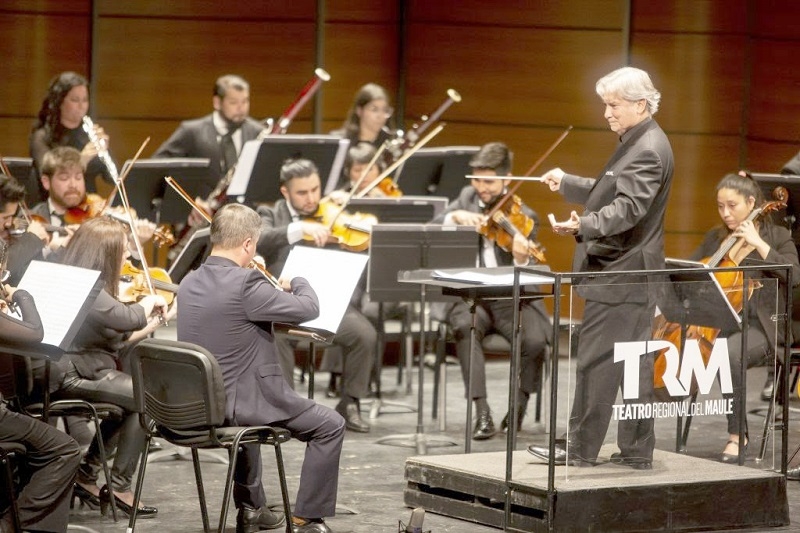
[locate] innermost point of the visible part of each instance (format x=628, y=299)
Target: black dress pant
x=52, y=458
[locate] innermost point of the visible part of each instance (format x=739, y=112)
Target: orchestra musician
x=358, y=158
x=368, y=117
x=764, y=241
x=493, y=161
x=60, y=123
x=228, y=310
x=53, y=457
x=90, y=368
x=287, y=223
x=218, y=136
x=621, y=228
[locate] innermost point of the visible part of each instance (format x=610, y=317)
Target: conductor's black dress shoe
x=793, y=474
x=637, y=463
x=484, y=427
x=560, y=456
x=352, y=417
x=250, y=520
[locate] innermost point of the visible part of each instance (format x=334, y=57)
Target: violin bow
x=125, y=171
x=401, y=160
x=513, y=189
x=183, y=194
x=360, y=180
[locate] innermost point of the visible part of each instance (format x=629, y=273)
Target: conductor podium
x=681, y=491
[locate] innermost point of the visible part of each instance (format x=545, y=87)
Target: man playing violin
x=490, y=163
x=291, y=221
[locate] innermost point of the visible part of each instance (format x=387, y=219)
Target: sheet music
x=689, y=263
x=333, y=275
x=61, y=294
x=244, y=168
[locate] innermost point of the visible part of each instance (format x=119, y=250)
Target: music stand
x=401, y=210
x=436, y=171
x=398, y=247
x=194, y=253
x=696, y=299
x=152, y=199
x=257, y=176
x=21, y=169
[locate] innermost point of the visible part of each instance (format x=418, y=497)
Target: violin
x=92, y=206
x=389, y=188
x=133, y=284
x=507, y=222
x=730, y=253
x=351, y=231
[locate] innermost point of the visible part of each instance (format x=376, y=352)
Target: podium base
x=420, y=441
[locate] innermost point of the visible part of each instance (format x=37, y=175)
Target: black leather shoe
x=520, y=415
x=154, y=446
x=352, y=417
x=484, y=427
x=731, y=458
x=144, y=511
x=637, y=463
x=793, y=474
x=559, y=454
x=250, y=520
x=769, y=389
x=312, y=527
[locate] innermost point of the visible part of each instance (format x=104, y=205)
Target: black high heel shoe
x=733, y=458
x=145, y=511
x=85, y=497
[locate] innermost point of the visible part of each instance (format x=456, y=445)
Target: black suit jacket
x=622, y=227
x=198, y=138
x=229, y=310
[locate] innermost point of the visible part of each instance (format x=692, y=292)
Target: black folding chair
x=180, y=394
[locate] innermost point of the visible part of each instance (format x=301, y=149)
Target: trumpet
x=405, y=140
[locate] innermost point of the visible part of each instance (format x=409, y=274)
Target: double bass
x=734, y=288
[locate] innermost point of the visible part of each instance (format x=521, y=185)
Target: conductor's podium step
x=680, y=493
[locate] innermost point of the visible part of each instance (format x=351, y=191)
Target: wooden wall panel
x=33, y=56
x=77, y=7
x=510, y=75
x=765, y=156
x=775, y=90
x=776, y=18
x=367, y=11
x=594, y=14
x=690, y=16
x=356, y=54
x=211, y=9
x=701, y=79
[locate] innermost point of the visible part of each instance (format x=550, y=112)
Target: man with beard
x=289, y=222
x=218, y=136
x=489, y=165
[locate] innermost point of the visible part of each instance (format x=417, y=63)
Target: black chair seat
x=224, y=436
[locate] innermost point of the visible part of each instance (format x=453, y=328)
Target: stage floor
x=372, y=478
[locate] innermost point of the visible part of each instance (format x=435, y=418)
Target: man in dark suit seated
x=218, y=136
x=229, y=310
x=290, y=222
x=491, y=163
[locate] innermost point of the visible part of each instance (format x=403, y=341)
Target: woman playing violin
x=491, y=163
x=89, y=370
x=761, y=241
x=357, y=161
x=59, y=123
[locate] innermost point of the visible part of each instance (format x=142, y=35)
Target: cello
x=729, y=254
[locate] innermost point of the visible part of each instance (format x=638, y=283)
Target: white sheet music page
x=61, y=293
x=244, y=168
x=333, y=275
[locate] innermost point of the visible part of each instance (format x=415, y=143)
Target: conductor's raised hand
x=553, y=178
x=568, y=227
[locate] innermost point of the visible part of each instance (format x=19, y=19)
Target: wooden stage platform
x=680, y=493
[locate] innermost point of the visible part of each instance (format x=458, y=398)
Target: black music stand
x=695, y=298
x=399, y=247
x=193, y=253
x=401, y=210
x=436, y=171
x=21, y=169
x=257, y=176
x=153, y=200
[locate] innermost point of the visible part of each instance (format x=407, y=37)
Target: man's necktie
x=229, y=155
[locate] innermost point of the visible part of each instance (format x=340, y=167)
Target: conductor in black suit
x=621, y=228
x=229, y=310
x=220, y=135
